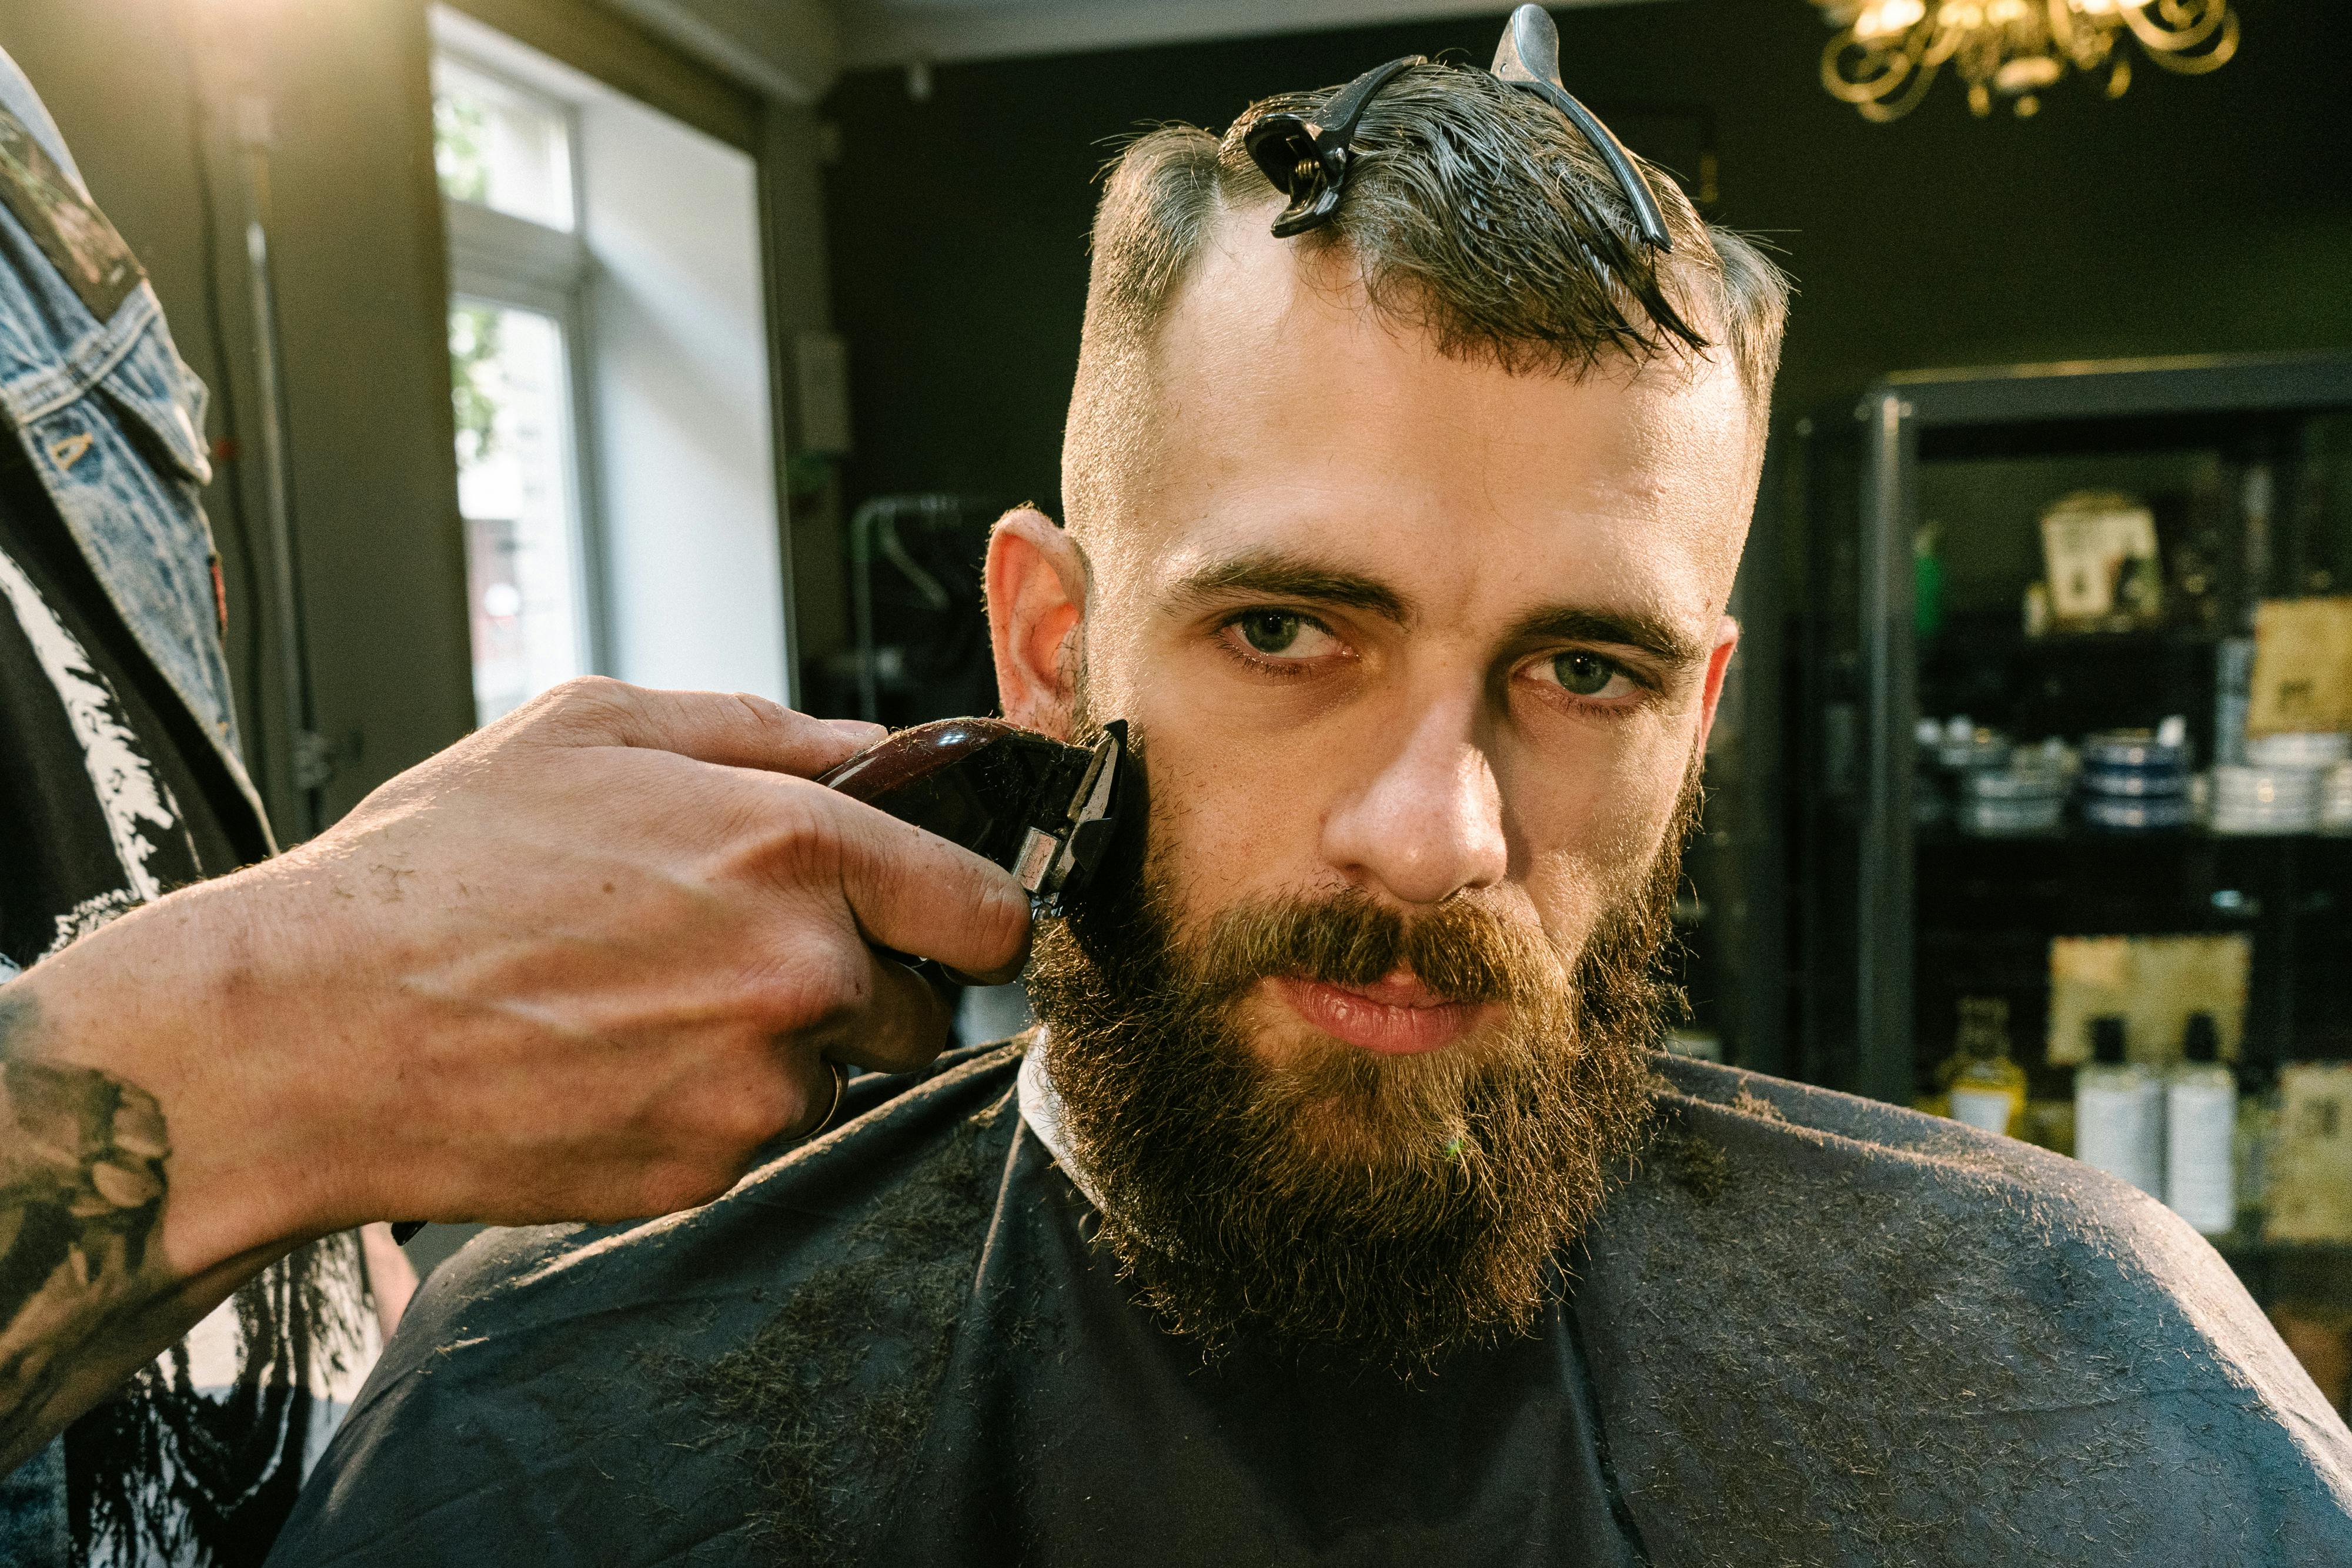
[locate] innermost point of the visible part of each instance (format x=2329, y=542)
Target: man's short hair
x=1474, y=212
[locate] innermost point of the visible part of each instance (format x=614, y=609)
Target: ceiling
x=795, y=48
x=897, y=32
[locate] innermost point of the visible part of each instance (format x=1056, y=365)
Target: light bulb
x=1888, y=18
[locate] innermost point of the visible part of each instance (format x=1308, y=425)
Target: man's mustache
x=1462, y=950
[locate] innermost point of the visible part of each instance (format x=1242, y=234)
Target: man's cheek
x=1588, y=854
x=1229, y=831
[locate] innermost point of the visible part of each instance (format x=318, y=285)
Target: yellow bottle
x=1986, y=1086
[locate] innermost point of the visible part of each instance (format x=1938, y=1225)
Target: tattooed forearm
x=83, y=1158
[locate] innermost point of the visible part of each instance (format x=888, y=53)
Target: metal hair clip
x=1307, y=160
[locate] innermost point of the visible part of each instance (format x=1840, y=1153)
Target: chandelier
x=1887, y=53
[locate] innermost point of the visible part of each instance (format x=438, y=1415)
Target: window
x=609, y=365
x=499, y=147
x=504, y=156
x=510, y=383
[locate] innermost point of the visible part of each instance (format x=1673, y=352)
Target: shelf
x=2069, y=684
x=1976, y=635
x=2123, y=884
x=1930, y=838
x=1929, y=914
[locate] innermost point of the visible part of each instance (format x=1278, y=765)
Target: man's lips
x=1398, y=1016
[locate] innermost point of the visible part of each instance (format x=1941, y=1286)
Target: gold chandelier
x=1888, y=53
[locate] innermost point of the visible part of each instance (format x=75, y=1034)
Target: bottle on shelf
x=2119, y=1111
x=1927, y=581
x=2201, y=1119
x=1937, y=1101
x=1987, y=1088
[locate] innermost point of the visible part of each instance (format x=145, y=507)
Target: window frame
x=502, y=261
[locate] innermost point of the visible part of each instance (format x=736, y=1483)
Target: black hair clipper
x=1043, y=810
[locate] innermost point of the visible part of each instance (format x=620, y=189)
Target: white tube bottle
x=2119, y=1111
x=2200, y=1118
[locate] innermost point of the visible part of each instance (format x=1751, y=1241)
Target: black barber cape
x=1813, y=1329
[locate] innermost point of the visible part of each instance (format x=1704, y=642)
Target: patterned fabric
x=121, y=780
x=107, y=813
x=116, y=802
x=112, y=422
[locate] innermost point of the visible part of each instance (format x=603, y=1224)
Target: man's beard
x=1390, y=1208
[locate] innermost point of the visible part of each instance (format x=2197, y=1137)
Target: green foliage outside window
x=460, y=129
x=473, y=356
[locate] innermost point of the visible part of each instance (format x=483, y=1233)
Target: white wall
x=684, y=473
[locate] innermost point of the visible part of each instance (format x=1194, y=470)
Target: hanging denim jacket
x=111, y=420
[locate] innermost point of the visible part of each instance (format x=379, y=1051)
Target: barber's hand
x=578, y=967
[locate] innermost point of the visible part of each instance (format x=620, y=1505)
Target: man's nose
x=1429, y=823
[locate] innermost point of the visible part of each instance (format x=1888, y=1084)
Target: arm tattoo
x=82, y=1161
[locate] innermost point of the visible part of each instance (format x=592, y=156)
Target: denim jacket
x=113, y=422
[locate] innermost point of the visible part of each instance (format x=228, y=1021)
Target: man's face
x=1419, y=654
x=1408, y=625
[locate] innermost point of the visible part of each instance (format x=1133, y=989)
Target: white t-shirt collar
x=1041, y=1107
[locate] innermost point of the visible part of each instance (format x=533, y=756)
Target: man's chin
x=1347, y=1105
x=1336, y=1132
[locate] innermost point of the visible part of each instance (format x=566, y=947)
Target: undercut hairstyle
x=1473, y=212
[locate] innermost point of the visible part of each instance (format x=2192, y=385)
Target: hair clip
x=1307, y=160
x=1528, y=59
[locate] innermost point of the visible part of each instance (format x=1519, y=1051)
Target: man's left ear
x=1718, y=665
x=1036, y=602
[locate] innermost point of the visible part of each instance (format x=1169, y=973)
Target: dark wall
x=2208, y=215
x=361, y=298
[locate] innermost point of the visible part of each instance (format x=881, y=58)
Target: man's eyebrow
x=1293, y=578
x=1288, y=577
x=1615, y=627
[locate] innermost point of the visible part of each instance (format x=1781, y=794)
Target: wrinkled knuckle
x=800, y=839
x=777, y=838
x=764, y=713
x=589, y=692
x=822, y=989
x=584, y=704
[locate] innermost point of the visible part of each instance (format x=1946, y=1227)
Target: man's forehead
x=1247, y=285
x=1294, y=420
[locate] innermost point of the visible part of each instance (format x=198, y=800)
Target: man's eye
x=1585, y=674
x=1282, y=634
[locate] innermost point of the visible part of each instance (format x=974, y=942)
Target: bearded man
x=1342, y=1209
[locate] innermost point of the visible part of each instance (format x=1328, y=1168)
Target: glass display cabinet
x=2246, y=468
x=2072, y=716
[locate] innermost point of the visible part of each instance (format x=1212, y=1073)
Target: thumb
x=914, y=892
